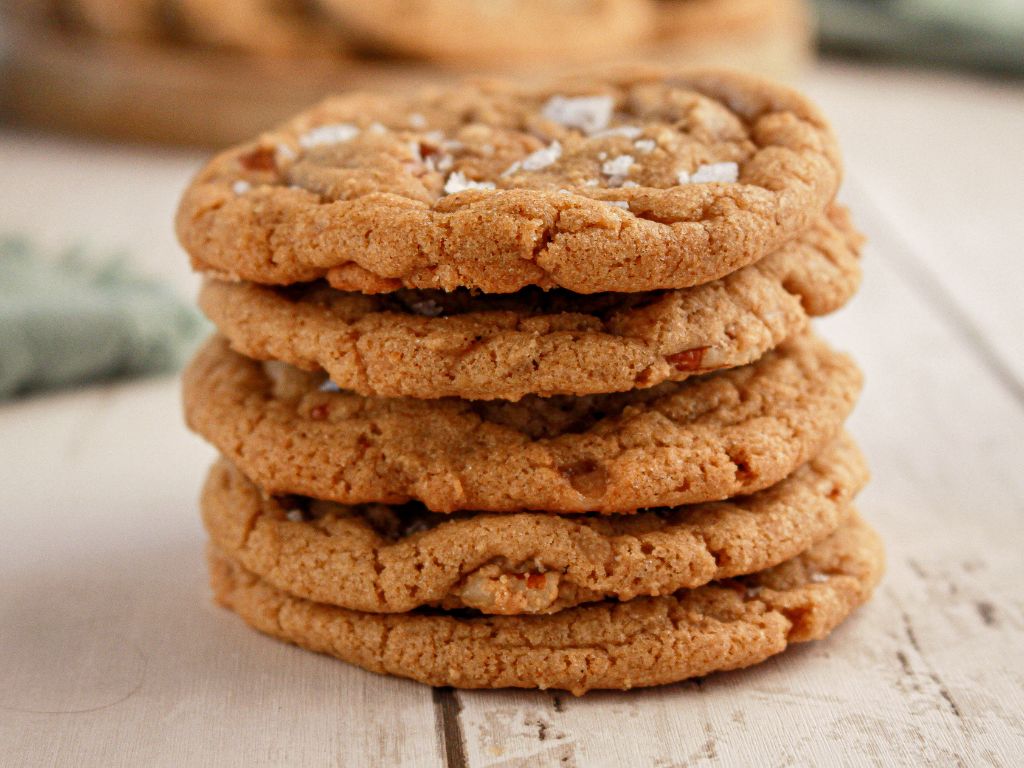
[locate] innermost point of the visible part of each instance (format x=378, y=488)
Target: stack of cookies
x=515, y=387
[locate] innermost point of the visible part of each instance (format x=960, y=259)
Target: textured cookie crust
x=642, y=181
x=432, y=344
x=646, y=641
x=384, y=559
x=705, y=439
x=467, y=31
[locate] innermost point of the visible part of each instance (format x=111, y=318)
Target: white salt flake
x=587, y=113
x=628, y=131
x=377, y=128
x=590, y=183
x=726, y=173
x=629, y=184
x=819, y=578
x=241, y=186
x=619, y=204
x=618, y=166
x=458, y=182
x=417, y=121
x=295, y=515
x=538, y=160
x=443, y=163
x=285, y=153
x=329, y=386
x=645, y=145
x=337, y=133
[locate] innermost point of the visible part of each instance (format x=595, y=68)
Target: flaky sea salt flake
x=241, y=186
x=587, y=113
x=336, y=133
x=457, y=182
x=725, y=173
x=645, y=145
x=628, y=131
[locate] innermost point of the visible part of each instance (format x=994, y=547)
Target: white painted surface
x=111, y=653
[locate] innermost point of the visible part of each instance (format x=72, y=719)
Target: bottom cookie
x=642, y=642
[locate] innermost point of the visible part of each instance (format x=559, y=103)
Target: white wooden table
x=112, y=654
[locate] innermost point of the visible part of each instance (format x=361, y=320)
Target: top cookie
x=636, y=182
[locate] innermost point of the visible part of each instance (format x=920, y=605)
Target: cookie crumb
x=726, y=173
x=587, y=113
x=337, y=133
x=457, y=182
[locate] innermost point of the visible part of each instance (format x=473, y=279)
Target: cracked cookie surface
x=705, y=439
x=643, y=642
x=640, y=181
x=384, y=559
x=432, y=344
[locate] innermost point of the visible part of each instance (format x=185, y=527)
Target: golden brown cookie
x=115, y=18
x=433, y=344
x=384, y=559
x=646, y=641
x=706, y=439
x=639, y=182
x=768, y=36
x=495, y=33
x=275, y=27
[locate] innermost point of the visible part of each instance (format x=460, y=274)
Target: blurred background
x=107, y=107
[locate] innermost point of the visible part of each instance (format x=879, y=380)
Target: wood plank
x=928, y=673
x=112, y=651
x=941, y=155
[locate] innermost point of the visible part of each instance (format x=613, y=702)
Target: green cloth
x=66, y=320
x=981, y=34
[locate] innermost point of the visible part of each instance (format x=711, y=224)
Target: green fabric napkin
x=67, y=320
x=983, y=34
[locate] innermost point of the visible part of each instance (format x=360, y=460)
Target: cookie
x=129, y=19
x=384, y=559
x=646, y=641
x=766, y=36
x=433, y=344
x=639, y=182
x=486, y=32
x=706, y=439
x=274, y=27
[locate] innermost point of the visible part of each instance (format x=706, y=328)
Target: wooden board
x=112, y=654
